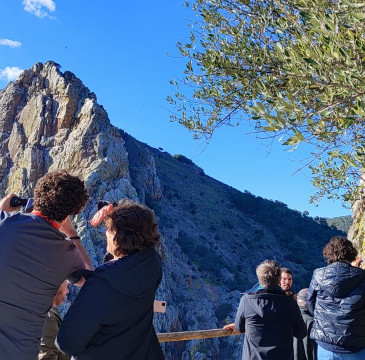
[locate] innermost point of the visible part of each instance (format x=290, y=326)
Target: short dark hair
x=286, y=270
x=339, y=249
x=268, y=273
x=59, y=194
x=135, y=227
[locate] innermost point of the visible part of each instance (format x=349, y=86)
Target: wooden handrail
x=193, y=335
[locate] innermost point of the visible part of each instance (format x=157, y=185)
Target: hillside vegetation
x=341, y=223
x=214, y=237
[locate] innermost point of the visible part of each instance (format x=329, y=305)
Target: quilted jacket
x=336, y=298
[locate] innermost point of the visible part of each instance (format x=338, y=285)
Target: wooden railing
x=194, y=335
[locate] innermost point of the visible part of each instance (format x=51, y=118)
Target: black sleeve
x=77, y=264
x=299, y=327
x=83, y=320
x=311, y=296
x=240, y=320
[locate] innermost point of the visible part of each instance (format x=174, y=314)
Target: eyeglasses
x=103, y=203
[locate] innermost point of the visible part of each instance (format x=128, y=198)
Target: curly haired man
x=38, y=251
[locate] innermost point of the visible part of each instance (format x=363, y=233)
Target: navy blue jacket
x=336, y=297
x=269, y=319
x=111, y=317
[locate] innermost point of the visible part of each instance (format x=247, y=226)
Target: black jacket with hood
x=269, y=319
x=111, y=317
x=336, y=297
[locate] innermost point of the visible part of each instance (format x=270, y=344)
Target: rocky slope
x=213, y=235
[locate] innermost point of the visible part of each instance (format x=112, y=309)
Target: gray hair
x=269, y=273
x=301, y=297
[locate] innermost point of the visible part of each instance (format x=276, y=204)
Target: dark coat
x=305, y=349
x=269, y=319
x=336, y=298
x=111, y=318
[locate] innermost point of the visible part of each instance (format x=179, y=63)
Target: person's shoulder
x=292, y=296
x=3, y=215
x=107, y=265
x=99, y=283
x=321, y=270
x=12, y=216
x=320, y=273
x=272, y=294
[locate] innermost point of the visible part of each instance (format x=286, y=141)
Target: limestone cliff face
x=213, y=235
x=357, y=231
x=49, y=121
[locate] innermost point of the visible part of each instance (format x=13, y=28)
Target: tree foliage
x=294, y=68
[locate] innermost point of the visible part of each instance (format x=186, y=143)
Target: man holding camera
x=38, y=251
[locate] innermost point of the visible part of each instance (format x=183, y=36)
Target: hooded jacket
x=269, y=319
x=336, y=297
x=111, y=318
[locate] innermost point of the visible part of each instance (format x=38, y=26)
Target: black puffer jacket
x=336, y=297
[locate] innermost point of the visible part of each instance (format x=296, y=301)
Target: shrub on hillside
x=183, y=159
x=152, y=203
x=223, y=311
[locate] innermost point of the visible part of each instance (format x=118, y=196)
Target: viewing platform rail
x=194, y=335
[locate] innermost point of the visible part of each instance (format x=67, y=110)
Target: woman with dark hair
x=336, y=298
x=111, y=317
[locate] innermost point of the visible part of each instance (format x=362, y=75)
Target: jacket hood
x=270, y=305
x=135, y=275
x=339, y=278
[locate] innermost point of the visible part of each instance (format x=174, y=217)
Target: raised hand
x=100, y=215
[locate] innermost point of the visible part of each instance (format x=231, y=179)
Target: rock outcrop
x=357, y=231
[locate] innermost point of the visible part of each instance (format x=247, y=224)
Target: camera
x=27, y=204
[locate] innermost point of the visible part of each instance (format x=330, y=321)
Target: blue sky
x=126, y=53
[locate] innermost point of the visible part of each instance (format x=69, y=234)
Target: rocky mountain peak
x=49, y=120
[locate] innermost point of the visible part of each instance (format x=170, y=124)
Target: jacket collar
x=271, y=290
